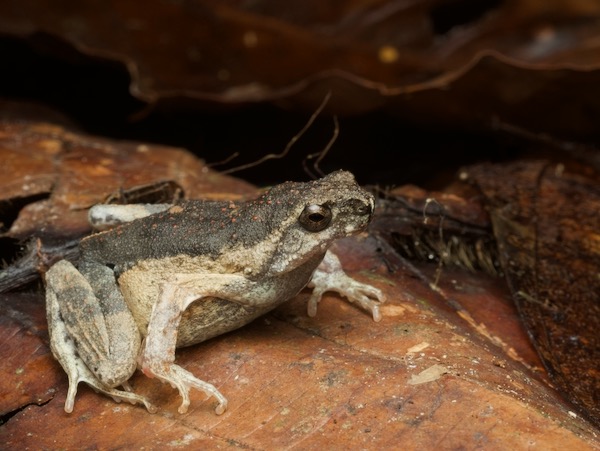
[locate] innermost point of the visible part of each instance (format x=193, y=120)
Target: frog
x=162, y=277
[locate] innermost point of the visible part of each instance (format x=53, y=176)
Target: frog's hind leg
x=92, y=333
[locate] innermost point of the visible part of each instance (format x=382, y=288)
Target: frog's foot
x=77, y=372
x=82, y=374
x=330, y=276
x=68, y=355
x=183, y=381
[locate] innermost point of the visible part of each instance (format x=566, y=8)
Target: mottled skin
x=195, y=271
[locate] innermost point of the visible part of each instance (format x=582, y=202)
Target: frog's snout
x=362, y=210
x=368, y=207
x=371, y=207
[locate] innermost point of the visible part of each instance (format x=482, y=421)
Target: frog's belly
x=208, y=317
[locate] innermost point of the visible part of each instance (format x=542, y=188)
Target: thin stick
x=320, y=155
x=292, y=141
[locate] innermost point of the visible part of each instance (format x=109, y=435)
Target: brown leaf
x=77, y=171
x=293, y=380
x=50, y=177
x=338, y=378
x=29, y=374
x=546, y=222
x=365, y=52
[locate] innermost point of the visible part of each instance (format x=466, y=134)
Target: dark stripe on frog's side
x=201, y=228
x=209, y=228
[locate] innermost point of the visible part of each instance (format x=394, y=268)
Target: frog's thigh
x=97, y=319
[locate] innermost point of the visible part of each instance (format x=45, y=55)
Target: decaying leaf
x=450, y=228
x=511, y=58
x=355, y=373
x=296, y=381
x=541, y=234
x=51, y=176
x=546, y=221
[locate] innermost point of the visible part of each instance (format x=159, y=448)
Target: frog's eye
x=315, y=218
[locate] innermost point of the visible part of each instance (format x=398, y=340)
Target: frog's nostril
x=361, y=207
x=364, y=209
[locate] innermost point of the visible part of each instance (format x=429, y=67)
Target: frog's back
x=191, y=228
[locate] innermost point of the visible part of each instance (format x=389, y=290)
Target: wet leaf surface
x=76, y=171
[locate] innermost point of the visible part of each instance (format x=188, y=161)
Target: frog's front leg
x=330, y=276
x=92, y=333
x=158, y=355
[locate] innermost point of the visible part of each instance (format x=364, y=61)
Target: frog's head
x=310, y=216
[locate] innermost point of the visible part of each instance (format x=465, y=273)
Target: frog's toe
x=373, y=307
x=221, y=407
x=131, y=398
x=186, y=380
x=369, y=298
x=374, y=293
x=183, y=381
x=71, y=394
x=366, y=303
x=120, y=395
x=313, y=302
